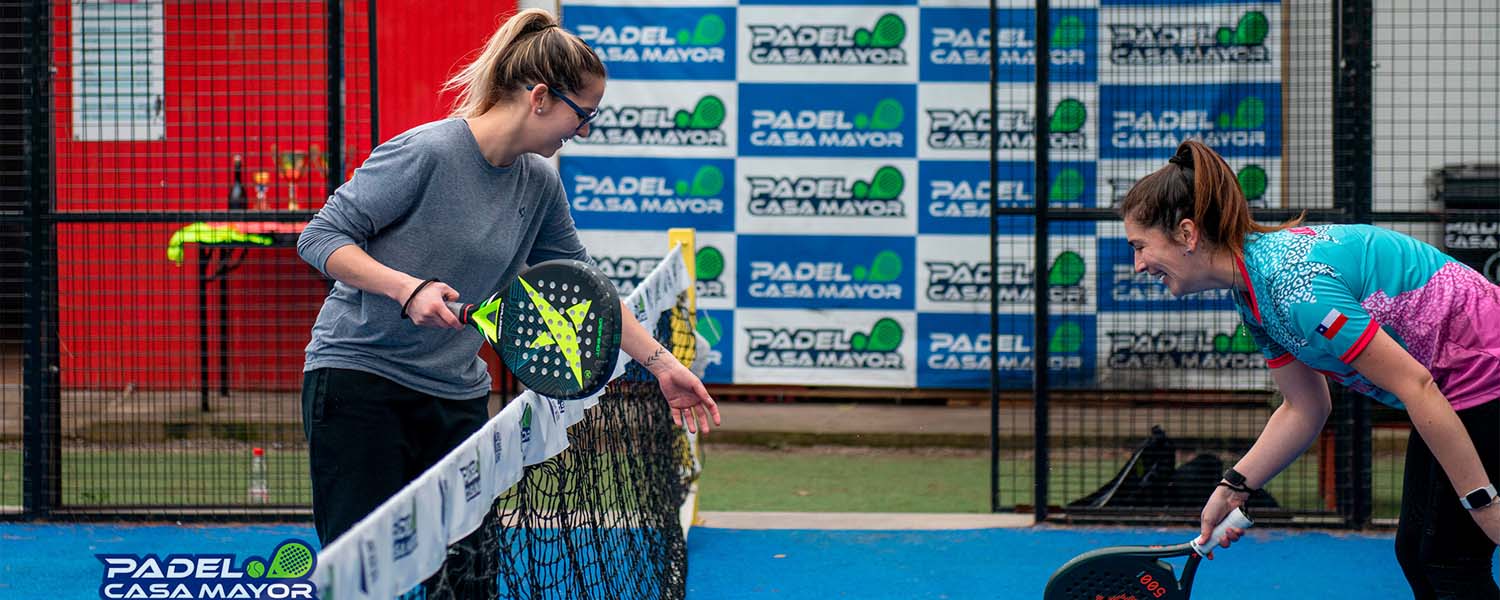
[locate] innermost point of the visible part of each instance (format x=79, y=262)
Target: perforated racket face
x=559, y=330
x=1105, y=577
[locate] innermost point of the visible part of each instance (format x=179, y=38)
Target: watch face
x=1479, y=498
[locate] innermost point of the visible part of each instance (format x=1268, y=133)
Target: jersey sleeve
x=1275, y=355
x=1330, y=318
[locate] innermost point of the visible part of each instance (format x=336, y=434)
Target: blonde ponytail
x=531, y=47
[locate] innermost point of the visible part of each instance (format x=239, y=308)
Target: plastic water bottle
x=258, y=492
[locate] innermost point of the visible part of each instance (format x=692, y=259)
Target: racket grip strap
x=461, y=310
x=1236, y=519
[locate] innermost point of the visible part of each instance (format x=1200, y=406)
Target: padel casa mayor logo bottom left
x=284, y=577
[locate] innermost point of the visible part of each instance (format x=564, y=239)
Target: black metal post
x=335, y=15
x=41, y=489
x=1041, y=375
x=994, y=261
x=1353, y=168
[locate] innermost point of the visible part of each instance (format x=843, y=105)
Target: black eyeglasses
x=583, y=116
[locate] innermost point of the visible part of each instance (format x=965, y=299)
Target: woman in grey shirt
x=462, y=204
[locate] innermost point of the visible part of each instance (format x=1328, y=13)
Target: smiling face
x=1172, y=260
x=558, y=122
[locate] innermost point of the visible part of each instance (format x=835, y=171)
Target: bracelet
x=413, y=296
x=1236, y=488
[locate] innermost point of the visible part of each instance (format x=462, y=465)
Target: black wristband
x=413, y=296
x=1235, y=488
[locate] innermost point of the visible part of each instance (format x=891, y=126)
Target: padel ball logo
x=1150, y=44
x=1183, y=349
x=826, y=348
x=877, y=44
x=969, y=129
x=877, y=195
x=285, y=575
x=1254, y=181
x=658, y=125
x=657, y=43
x=827, y=120
x=955, y=195
x=953, y=343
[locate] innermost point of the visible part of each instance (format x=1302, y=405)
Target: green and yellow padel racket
x=556, y=327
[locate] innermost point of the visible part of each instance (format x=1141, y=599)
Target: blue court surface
x=57, y=561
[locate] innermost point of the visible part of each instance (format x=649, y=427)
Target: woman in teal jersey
x=1377, y=311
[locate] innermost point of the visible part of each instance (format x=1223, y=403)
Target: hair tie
x=413, y=296
x=1185, y=162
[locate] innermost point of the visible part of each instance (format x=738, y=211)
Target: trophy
x=292, y=164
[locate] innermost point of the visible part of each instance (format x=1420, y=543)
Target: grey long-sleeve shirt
x=428, y=204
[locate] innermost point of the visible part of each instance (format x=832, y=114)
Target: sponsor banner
x=1183, y=3
x=652, y=194
x=1175, y=350
x=954, y=196
x=627, y=257
x=1006, y=3
x=956, y=45
x=1198, y=43
x=863, y=348
x=827, y=196
x=659, y=118
x=954, y=123
x=954, y=274
x=1260, y=178
x=831, y=2
x=717, y=326
x=659, y=43
x=1237, y=120
x=953, y=351
x=855, y=44
x=836, y=121
x=810, y=272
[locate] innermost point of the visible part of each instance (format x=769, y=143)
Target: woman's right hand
x=429, y=308
x=1220, y=504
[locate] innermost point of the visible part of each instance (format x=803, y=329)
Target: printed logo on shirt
x=1332, y=323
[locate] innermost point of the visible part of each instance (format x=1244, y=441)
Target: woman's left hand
x=689, y=400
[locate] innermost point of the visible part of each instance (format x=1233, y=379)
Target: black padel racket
x=556, y=327
x=1135, y=572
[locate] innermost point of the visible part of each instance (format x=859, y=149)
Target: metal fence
x=145, y=348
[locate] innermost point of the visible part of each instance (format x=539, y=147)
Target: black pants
x=368, y=437
x=1443, y=552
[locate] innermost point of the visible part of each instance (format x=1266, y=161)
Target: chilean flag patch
x=1332, y=324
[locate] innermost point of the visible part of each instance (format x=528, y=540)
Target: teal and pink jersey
x=1319, y=294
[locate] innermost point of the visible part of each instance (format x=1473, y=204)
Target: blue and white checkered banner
x=834, y=156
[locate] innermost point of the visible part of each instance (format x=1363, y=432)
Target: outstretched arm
x=692, y=407
x=1288, y=433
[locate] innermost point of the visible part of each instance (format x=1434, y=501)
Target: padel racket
x=556, y=327
x=1135, y=572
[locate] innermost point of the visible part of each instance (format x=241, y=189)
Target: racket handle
x=461, y=310
x=1236, y=519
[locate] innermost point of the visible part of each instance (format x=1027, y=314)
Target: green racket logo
x=1250, y=113
x=293, y=559
x=887, y=115
x=1251, y=30
x=884, y=268
x=885, y=185
x=889, y=31
x=708, y=113
x=884, y=336
x=1067, y=186
x=1253, y=182
x=1070, y=32
x=1240, y=341
x=1067, y=270
x=1068, y=117
x=710, y=263
x=709, y=31
x=707, y=182
x=1067, y=338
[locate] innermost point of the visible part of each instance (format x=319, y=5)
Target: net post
x=687, y=237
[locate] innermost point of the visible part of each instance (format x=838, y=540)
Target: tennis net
x=580, y=499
